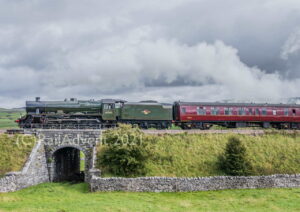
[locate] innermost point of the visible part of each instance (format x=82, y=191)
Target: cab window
x=108, y=106
x=264, y=111
x=117, y=105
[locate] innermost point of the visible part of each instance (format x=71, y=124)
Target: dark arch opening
x=68, y=165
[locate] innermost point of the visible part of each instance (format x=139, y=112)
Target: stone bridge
x=70, y=154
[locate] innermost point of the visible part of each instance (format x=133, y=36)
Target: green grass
x=76, y=197
x=14, y=151
x=8, y=117
x=191, y=155
x=173, y=127
x=82, y=161
x=197, y=155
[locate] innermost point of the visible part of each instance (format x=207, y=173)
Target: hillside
x=8, y=117
x=190, y=155
x=197, y=155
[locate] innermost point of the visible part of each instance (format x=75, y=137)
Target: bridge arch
x=68, y=146
x=68, y=163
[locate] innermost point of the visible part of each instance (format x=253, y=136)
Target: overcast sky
x=192, y=50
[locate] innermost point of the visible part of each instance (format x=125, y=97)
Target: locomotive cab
x=110, y=109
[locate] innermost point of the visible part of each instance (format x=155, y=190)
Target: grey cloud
x=170, y=50
x=291, y=54
x=257, y=29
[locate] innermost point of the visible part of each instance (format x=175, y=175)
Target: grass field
x=60, y=197
x=14, y=151
x=8, y=117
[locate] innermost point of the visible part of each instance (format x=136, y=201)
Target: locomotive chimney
x=37, y=99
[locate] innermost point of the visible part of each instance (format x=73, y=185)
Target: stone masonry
x=83, y=140
x=40, y=166
x=34, y=172
x=169, y=184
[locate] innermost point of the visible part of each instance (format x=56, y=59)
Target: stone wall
x=34, y=172
x=168, y=184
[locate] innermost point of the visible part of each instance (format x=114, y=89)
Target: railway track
x=157, y=132
x=234, y=131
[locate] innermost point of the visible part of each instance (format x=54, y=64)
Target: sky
x=188, y=50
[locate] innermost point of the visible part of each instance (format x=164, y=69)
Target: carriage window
x=286, y=111
x=228, y=111
x=183, y=110
x=201, y=111
x=257, y=111
x=264, y=111
x=214, y=111
x=250, y=111
x=242, y=111
x=274, y=112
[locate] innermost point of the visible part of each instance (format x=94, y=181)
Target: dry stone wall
x=34, y=172
x=168, y=184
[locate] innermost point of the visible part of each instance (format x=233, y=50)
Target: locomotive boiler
x=81, y=114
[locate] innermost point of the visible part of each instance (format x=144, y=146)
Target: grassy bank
x=14, y=151
x=197, y=155
x=8, y=117
x=188, y=155
x=66, y=197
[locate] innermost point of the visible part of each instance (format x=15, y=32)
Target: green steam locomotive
x=94, y=114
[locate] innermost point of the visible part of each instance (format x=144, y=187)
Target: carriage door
x=108, y=111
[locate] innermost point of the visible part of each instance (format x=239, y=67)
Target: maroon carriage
x=202, y=115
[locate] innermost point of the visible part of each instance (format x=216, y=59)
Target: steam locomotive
x=105, y=113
